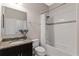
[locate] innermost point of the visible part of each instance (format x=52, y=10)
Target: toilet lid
x=40, y=49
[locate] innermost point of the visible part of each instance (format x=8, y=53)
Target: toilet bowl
x=37, y=49
x=40, y=51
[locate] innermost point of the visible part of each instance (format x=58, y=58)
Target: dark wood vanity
x=19, y=50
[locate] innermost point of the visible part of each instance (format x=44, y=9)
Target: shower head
x=47, y=17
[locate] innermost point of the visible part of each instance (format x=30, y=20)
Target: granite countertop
x=8, y=44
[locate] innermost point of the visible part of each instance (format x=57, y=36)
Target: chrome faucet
x=23, y=32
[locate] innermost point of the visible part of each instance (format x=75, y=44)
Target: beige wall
x=78, y=29
x=33, y=18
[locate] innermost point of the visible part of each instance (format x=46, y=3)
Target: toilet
x=37, y=49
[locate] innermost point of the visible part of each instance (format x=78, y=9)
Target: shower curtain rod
x=73, y=21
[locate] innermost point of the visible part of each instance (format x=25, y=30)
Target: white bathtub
x=52, y=51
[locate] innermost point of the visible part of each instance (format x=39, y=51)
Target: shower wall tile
x=65, y=34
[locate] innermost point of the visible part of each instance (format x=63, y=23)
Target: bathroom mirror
x=13, y=21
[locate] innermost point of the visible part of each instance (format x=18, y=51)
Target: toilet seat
x=39, y=49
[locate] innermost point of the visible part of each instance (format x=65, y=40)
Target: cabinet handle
x=3, y=20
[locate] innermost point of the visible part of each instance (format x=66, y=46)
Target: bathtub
x=52, y=51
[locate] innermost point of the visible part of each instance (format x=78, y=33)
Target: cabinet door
x=26, y=49
x=13, y=51
x=22, y=50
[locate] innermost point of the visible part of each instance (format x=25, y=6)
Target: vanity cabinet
x=13, y=51
x=21, y=50
x=26, y=49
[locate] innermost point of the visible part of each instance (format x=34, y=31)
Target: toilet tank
x=35, y=43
